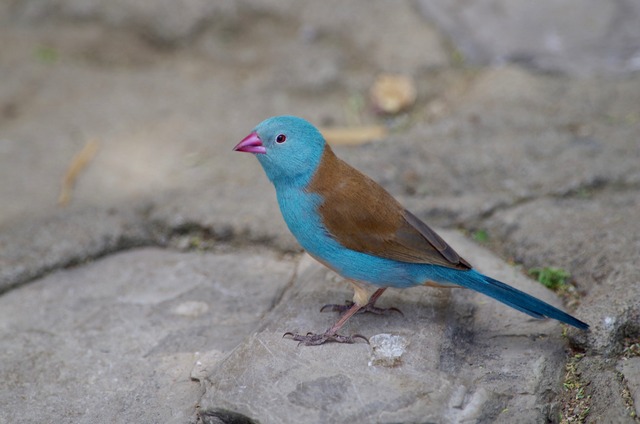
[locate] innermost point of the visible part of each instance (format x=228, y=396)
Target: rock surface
x=170, y=273
x=120, y=339
x=576, y=36
x=464, y=358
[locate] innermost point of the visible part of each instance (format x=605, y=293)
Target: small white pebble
x=191, y=308
x=608, y=322
x=387, y=349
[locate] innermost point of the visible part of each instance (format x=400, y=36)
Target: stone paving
x=161, y=291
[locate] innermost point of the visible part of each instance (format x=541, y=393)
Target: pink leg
x=369, y=307
x=331, y=335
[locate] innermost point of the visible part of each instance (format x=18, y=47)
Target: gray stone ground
x=161, y=292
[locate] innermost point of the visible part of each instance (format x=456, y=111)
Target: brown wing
x=363, y=216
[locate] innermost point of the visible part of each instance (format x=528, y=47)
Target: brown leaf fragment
x=77, y=164
x=353, y=136
x=392, y=94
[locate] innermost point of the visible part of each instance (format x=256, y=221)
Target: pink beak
x=251, y=144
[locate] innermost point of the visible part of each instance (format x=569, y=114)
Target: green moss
x=551, y=277
x=47, y=55
x=481, y=236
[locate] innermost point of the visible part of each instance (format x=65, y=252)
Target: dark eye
x=281, y=138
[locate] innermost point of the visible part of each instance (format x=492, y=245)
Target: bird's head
x=288, y=148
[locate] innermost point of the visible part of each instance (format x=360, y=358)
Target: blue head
x=288, y=148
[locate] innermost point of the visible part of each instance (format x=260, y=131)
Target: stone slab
x=121, y=339
x=463, y=357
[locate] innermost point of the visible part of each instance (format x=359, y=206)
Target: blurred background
x=163, y=88
x=517, y=122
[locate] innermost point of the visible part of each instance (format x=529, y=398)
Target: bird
x=353, y=226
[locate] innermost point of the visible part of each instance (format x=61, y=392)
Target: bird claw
x=313, y=339
x=338, y=308
x=367, y=308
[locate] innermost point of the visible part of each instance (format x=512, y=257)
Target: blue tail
x=515, y=298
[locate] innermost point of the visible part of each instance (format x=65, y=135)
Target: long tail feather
x=515, y=298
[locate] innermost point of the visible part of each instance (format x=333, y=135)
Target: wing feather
x=363, y=216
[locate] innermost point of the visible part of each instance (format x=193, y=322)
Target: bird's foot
x=312, y=339
x=369, y=307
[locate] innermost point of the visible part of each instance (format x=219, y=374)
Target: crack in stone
x=135, y=233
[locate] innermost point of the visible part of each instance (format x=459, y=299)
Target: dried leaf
x=353, y=136
x=78, y=163
x=393, y=93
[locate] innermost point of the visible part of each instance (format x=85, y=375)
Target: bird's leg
x=369, y=307
x=331, y=335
